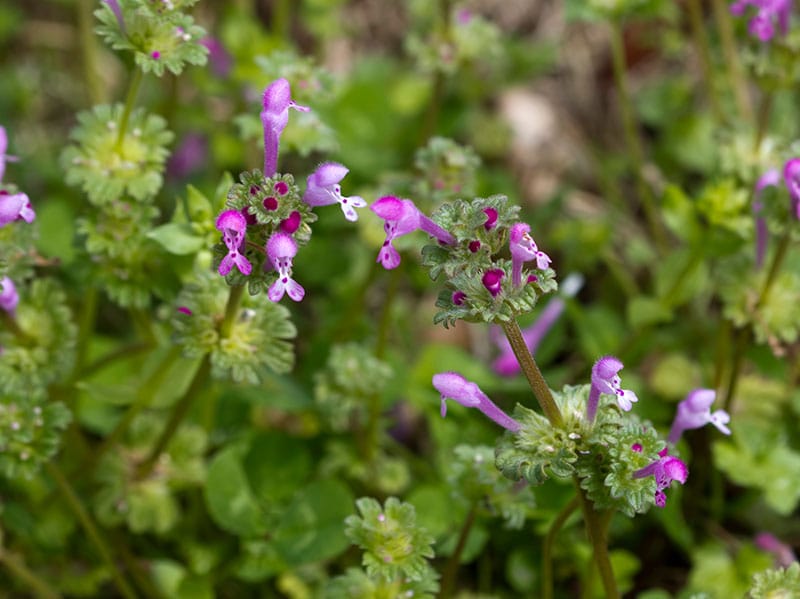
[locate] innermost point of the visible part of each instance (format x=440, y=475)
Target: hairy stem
x=528, y=365
x=597, y=531
x=91, y=530
x=451, y=568
x=130, y=100
x=89, y=51
x=547, y=546
x=179, y=412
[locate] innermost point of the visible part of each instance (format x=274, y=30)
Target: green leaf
x=177, y=238
x=644, y=311
x=229, y=498
x=276, y=465
x=312, y=528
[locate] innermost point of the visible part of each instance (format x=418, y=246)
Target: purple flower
x=277, y=101
x=791, y=175
x=523, y=249
x=190, y=156
x=769, y=13
x=281, y=249
x=218, y=56
x=769, y=179
x=14, y=207
x=3, y=156
x=695, y=411
x=233, y=224
x=606, y=380
x=9, y=298
x=454, y=386
x=493, y=280
x=666, y=469
x=115, y=8
x=402, y=217
x=323, y=189
x=506, y=363
x=783, y=553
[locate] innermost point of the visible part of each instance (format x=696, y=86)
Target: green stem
x=281, y=11
x=91, y=530
x=178, y=414
x=144, y=396
x=744, y=334
x=762, y=119
x=538, y=385
x=632, y=139
x=735, y=74
x=89, y=51
x=451, y=568
x=439, y=80
x=231, y=310
x=86, y=318
x=130, y=100
x=597, y=531
x=700, y=37
x=547, y=546
x=37, y=586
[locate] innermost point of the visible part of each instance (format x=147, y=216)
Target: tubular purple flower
x=281, y=249
x=323, y=189
x=695, y=412
x=783, y=553
x=3, y=156
x=606, y=380
x=666, y=469
x=523, y=249
x=221, y=61
x=452, y=385
x=233, y=225
x=14, y=207
x=9, y=298
x=791, y=176
x=277, y=101
x=506, y=363
x=402, y=217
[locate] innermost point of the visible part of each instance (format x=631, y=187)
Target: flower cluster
x=159, y=34
x=770, y=14
x=628, y=449
x=473, y=239
x=267, y=219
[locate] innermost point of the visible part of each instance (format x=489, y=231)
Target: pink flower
x=3, y=156
x=233, y=224
x=323, y=189
x=695, y=412
x=281, y=249
x=9, y=298
x=15, y=207
x=606, y=380
x=523, y=249
x=665, y=470
x=402, y=217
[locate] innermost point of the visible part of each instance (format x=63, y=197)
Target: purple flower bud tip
x=291, y=224
x=155, y=54
x=9, y=298
x=491, y=218
x=782, y=552
x=281, y=188
x=184, y=310
x=493, y=280
x=474, y=246
x=459, y=297
x=221, y=61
